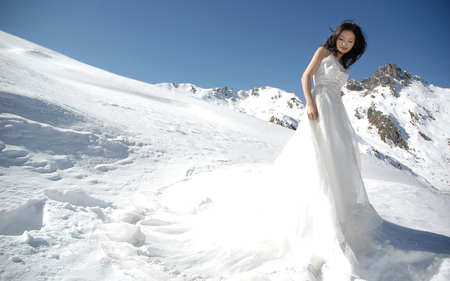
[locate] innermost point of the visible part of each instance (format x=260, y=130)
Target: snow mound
x=26, y=217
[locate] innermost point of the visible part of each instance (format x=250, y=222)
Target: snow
x=266, y=103
x=421, y=113
x=85, y=154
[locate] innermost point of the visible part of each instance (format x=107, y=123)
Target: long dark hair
x=359, y=47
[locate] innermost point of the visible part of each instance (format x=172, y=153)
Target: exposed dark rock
x=294, y=102
x=353, y=85
x=419, y=79
x=391, y=160
x=283, y=123
x=387, y=129
x=277, y=96
x=415, y=118
x=425, y=136
x=429, y=114
x=360, y=112
x=419, y=118
x=389, y=75
x=224, y=92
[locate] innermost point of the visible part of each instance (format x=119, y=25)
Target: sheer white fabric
x=309, y=212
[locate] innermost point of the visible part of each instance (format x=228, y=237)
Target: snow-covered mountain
x=83, y=150
x=404, y=121
x=266, y=103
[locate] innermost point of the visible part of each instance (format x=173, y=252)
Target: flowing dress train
x=309, y=211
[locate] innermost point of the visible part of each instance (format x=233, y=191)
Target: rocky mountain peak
x=393, y=71
x=389, y=75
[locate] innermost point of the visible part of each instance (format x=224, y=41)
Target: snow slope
x=84, y=150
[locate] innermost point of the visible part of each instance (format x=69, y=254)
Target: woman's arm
x=320, y=54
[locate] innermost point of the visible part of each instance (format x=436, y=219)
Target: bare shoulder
x=319, y=55
x=323, y=52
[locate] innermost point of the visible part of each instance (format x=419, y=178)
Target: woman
x=342, y=45
x=311, y=211
x=335, y=138
x=333, y=196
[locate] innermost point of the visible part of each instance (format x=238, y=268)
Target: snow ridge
x=267, y=103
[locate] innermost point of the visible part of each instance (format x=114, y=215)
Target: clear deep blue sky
x=233, y=43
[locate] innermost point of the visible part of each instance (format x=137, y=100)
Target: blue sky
x=236, y=44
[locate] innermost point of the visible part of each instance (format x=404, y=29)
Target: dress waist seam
x=334, y=90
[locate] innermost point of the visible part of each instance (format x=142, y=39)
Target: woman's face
x=345, y=41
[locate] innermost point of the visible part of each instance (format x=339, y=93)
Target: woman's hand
x=306, y=81
x=312, y=111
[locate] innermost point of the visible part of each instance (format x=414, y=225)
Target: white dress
x=308, y=214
